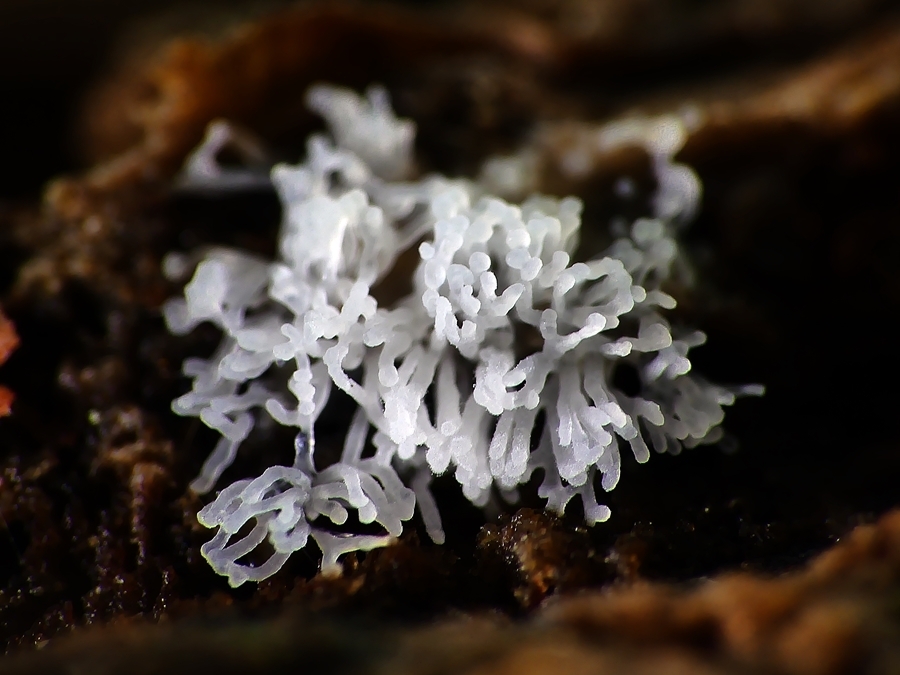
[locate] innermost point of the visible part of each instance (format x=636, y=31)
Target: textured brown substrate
x=837, y=615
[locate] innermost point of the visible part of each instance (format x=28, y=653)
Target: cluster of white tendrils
x=500, y=362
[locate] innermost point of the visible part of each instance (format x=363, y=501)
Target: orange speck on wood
x=8, y=342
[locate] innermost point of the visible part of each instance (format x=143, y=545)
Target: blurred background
x=51, y=51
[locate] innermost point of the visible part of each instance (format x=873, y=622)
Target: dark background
x=51, y=51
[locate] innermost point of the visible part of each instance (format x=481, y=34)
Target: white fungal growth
x=498, y=364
